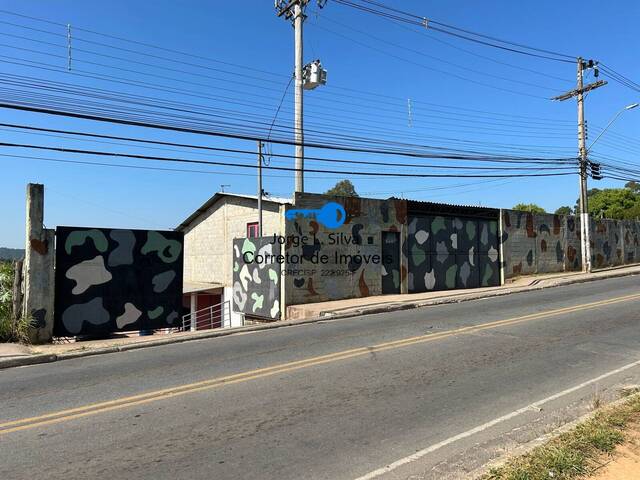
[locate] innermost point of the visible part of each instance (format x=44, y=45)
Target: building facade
x=208, y=248
x=378, y=247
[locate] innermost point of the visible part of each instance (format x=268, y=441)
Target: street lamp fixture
x=628, y=107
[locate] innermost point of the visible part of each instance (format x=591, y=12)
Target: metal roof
x=418, y=206
x=206, y=205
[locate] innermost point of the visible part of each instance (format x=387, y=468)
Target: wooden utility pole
x=580, y=90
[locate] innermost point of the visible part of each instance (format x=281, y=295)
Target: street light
x=628, y=107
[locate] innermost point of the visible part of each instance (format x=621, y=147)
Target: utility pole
x=298, y=18
x=293, y=10
x=584, y=201
x=259, y=188
x=580, y=90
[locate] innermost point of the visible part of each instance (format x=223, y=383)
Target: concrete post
x=283, y=276
x=193, y=307
x=38, y=268
x=622, y=230
x=404, y=259
x=17, y=292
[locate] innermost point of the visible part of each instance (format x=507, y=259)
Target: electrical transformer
x=314, y=75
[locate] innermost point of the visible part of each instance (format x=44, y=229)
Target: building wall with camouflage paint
x=452, y=252
x=361, y=234
x=110, y=280
x=545, y=243
x=256, y=283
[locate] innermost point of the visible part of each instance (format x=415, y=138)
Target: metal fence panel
x=111, y=280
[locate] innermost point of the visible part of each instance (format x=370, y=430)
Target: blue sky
x=457, y=97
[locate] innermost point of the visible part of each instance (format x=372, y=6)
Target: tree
x=564, y=210
x=633, y=186
x=616, y=203
x=344, y=188
x=529, y=207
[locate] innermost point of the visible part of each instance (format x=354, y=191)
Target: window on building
x=252, y=230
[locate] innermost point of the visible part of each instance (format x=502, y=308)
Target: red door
x=208, y=308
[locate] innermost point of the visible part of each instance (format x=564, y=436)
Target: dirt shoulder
x=624, y=463
x=604, y=447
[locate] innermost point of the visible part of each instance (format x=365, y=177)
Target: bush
x=10, y=331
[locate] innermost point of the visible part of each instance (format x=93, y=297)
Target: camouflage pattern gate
x=447, y=252
x=110, y=280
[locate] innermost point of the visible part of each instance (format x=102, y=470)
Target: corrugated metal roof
x=419, y=206
x=206, y=205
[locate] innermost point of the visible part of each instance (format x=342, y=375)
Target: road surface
x=427, y=393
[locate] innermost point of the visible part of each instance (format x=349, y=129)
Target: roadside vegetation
x=11, y=330
x=614, y=203
x=577, y=453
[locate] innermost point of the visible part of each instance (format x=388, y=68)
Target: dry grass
x=574, y=453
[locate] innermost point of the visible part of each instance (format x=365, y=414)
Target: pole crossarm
x=576, y=92
x=285, y=8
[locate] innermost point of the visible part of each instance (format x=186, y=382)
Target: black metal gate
x=448, y=252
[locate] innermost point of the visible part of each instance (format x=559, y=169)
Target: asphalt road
x=426, y=393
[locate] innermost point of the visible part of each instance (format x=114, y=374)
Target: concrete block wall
x=208, y=241
x=366, y=219
x=606, y=243
x=546, y=243
x=631, y=241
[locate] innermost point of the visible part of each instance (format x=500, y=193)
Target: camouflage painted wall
x=109, y=280
x=256, y=282
x=545, y=243
x=631, y=241
x=361, y=234
x=606, y=243
x=452, y=252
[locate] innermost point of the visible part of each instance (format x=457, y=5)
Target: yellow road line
x=124, y=402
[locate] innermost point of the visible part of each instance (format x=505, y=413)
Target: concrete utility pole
x=259, y=188
x=584, y=202
x=293, y=10
x=581, y=89
x=298, y=18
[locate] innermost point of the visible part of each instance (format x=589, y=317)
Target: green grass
x=573, y=453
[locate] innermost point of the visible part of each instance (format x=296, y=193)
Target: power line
x=420, y=20
x=324, y=159
x=234, y=112
x=234, y=100
x=127, y=100
x=140, y=53
x=433, y=57
x=459, y=77
x=113, y=37
x=289, y=169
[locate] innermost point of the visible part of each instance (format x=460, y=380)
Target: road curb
x=533, y=286
x=323, y=316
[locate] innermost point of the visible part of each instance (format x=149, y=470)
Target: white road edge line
x=417, y=455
